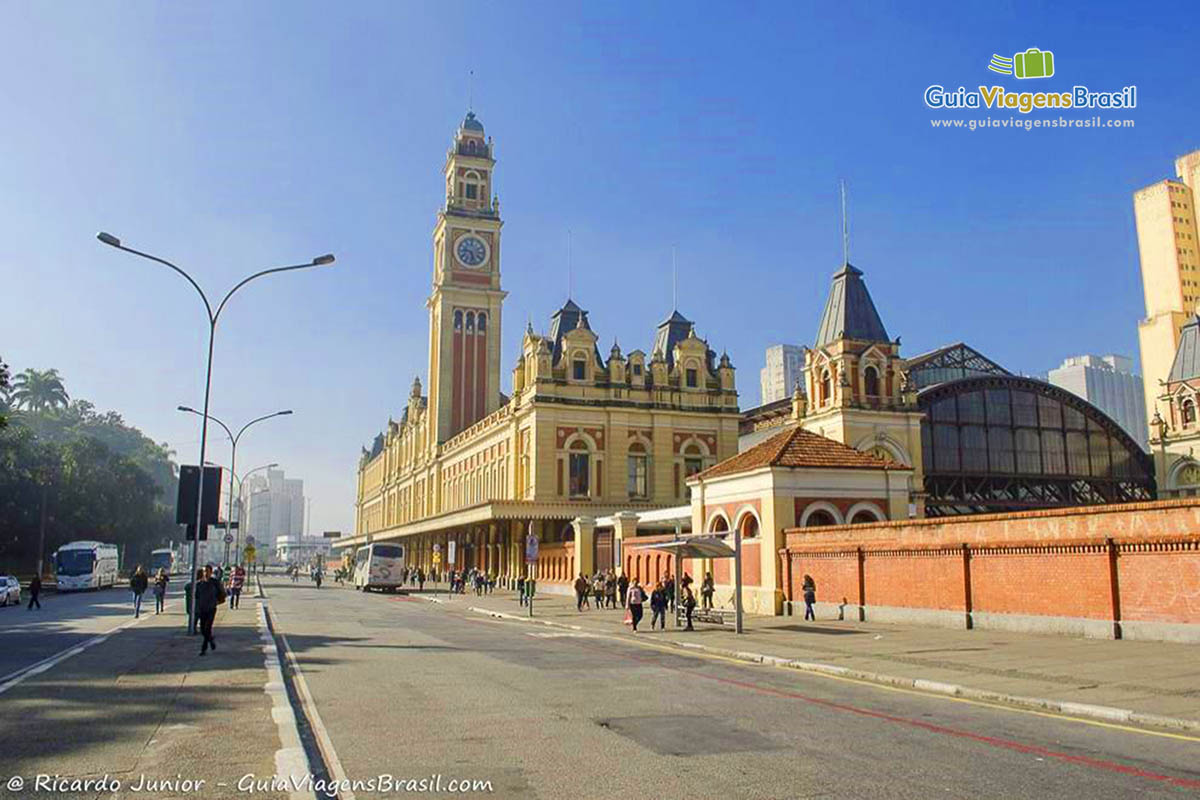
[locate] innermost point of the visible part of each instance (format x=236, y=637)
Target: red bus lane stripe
x=1006, y=744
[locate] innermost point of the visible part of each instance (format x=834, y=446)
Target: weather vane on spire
x=471, y=90
x=568, y=263
x=674, y=280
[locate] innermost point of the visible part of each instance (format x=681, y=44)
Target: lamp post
x=233, y=464
x=213, y=316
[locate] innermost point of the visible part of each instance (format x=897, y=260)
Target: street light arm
x=260, y=419
x=210, y=416
x=271, y=271
x=114, y=242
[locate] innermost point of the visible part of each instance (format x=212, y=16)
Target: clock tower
x=464, y=308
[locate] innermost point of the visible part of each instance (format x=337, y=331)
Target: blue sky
x=233, y=136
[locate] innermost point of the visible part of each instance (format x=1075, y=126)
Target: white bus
x=378, y=566
x=169, y=560
x=85, y=565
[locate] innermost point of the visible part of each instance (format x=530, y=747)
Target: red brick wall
x=1134, y=563
x=1058, y=581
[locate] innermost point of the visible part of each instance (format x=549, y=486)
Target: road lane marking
x=309, y=708
x=16, y=677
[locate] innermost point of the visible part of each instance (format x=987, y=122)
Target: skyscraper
x=1167, y=231
x=784, y=369
x=1110, y=384
x=274, y=508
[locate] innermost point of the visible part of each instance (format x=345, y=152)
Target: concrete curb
x=1083, y=710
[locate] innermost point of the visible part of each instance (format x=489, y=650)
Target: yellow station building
x=581, y=436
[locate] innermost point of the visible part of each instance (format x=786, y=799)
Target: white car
x=10, y=590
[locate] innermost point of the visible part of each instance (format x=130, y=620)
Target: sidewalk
x=143, y=703
x=1144, y=683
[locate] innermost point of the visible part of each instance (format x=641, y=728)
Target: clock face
x=471, y=251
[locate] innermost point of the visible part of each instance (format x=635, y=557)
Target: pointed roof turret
x=565, y=320
x=671, y=331
x=849, y=312
x=1187, y=355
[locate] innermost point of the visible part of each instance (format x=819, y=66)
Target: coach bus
x=168, y=559
x=379, y=566
x=85, y=565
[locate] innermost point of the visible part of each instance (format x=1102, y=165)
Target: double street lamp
x=213, y=316
x=233, y=465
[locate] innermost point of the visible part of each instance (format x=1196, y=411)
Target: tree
x=5, y=387
x=39, y=390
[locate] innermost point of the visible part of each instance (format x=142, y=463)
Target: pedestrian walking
x=669, y=591
x=658, y=606
x=420, y=579
x=521, y=590
x=581, y=592
x=209, y=595
x=160, y=590
x=598, y=591
x=689, y=604
x=810, y=597
x=236, y=581
x=35, y=588
x=636, y=597
x=138, y=584
x=706, y=591
x=623, y=589
x=610, y=590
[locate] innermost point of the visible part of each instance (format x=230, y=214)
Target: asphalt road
x=64, y=621
x=409, y=688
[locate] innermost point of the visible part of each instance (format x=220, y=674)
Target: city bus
x=169, y=560
x=85, y=565
x=378, y=566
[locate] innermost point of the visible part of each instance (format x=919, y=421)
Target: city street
x=405, y=686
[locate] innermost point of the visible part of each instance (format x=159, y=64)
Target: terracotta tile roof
x=796, y=447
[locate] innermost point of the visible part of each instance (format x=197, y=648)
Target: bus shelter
x=704, y=545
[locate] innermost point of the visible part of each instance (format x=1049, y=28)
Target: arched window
x=639, y=486
x=1187, y=410
x=861, y=517
x=749, y=526
x=825, y=385
x=458, y=320
x=470, y=322
x=481, y=323
x=820, y=517
x=579, y=368
x=693, y=462
x=471, y=186
x=871, y=382
x=719, y=525
x=578, y=464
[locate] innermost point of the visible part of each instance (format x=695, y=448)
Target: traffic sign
x=437, y=557
x=249, y=540
x=451, y=547
x=437, y=547
x=531, y=548
x=229, y=538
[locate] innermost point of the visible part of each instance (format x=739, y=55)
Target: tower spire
x=845, y=227
x=569, y=264
x=471, y=90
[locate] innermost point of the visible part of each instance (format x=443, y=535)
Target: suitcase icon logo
x=1033, y=63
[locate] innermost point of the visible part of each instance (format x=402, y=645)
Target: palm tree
x=39, y=390
x=5, y=387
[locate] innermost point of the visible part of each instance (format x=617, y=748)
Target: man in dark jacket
x=209, y=595
x=658, y=606
x=623, y=588
x=35, y=588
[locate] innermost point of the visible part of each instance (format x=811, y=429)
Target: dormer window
x=579, y=369
x=691, y=377
x=637, y=370
x=825, y=387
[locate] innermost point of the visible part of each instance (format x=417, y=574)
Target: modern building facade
x=1169, y=250
x=1110, y=384
x=784, y=369
x=274, y=508
x=581, y=434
